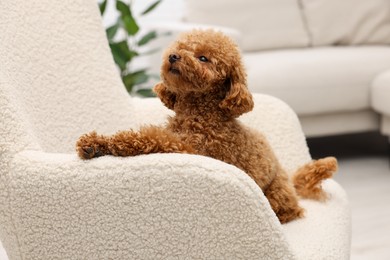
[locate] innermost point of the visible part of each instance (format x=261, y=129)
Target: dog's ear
x=238, y=99
x=166, y=96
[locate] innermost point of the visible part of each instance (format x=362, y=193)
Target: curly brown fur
x=307, y=180
x=130, y=143
x=204, y=82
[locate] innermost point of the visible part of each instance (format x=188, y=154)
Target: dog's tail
x=307, y=180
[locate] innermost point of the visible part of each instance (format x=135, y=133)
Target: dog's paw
x=91, y=145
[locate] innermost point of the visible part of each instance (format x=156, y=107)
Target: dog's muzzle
x=173, y=58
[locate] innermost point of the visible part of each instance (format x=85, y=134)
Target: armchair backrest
x=57, y=75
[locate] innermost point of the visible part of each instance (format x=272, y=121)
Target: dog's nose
x=173, y=58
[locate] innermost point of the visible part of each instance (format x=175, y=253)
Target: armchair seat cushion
x=334, y=79
x=331, y=222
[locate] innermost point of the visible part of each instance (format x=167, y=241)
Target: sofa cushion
x=264, y=24
x=347, y=22
x=318, y=80
x=380, y=96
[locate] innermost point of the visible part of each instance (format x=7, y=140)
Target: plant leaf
x=147, y=38
x=131, y=25
x=128, y=20
x=122, y=54
x=135, y=78
x=151, y=7
x=146, y=92
x=119, y=60
x=102, y=7
x=111, y=31
x=123, y=8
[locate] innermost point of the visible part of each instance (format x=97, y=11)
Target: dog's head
x=205, y=61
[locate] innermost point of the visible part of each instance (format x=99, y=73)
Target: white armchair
x=58, y=81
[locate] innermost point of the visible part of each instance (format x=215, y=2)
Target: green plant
x=126, y=48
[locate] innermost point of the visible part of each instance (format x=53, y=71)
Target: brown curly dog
x=204, y=82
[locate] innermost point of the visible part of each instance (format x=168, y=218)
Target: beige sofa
x=328, y=59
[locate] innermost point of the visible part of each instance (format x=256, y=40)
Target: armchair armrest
x=152, y=206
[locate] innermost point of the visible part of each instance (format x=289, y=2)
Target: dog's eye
x=203, y=59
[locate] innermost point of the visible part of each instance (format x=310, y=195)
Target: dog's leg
x=283, y=199
x=307, y=180
x=130, y=143
x=148, y=140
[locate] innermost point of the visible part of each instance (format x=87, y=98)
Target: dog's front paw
x=91, y=145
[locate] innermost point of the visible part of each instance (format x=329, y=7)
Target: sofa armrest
x=279, y=123
x=380, y=96
x=151, y=206
x=380, y=93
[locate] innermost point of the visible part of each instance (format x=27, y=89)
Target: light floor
x=364, y=172
x=367, y=182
